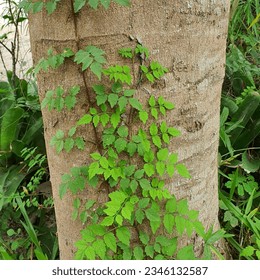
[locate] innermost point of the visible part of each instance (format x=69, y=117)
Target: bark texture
x=189, y=38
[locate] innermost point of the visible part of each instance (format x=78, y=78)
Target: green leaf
x=115, y=119
x=122, y=102
x=123, y=2
x=70, y=102
x=143, y=203
x=169, y=222
x=110, y=241
x=135, y=104
x=93, y=169
x=119, y=220
x=86, y=119
x=51, y=6
x=143, y=116
x=162, y=154
x=108, y=140
x=79, y=142
x=144, y=237
x=174, y=132
x=171, y=248
x=145, y=184
x=247, y=252
x=139, y=216
x=149, y=250
x=127, y=210
x=170, y=169
x=78, y=5
x=10, y=122
x=249, y=165
x=180, y=224
x=173, y=158
x=154, y=113
x=168, y=105
x=152, y=215
x=144, y=69
x=90, y=253
x=131, y=148
x=150, y=77
x=104, y=162
x=99, y=89
x=91, y=57
x=138, y=253
x=72, y=131
x=166, y=138
x=153, y=129
x=112, y=99
x=123, y=235
x=107, y=221
x=182, y=170
x=104, y=119
x=68, y=144
x=171, y=205
x=100, y=248
x=163, y=240
x=120, y=144
x=152, y=101
x=96, y=69
x=157, y=141
x=182, y=207
x=149, y=169
x=95, y=120
x=139, y=174
x=154, y=226
x=186, y=253
x=123, y=131
x=126, y=52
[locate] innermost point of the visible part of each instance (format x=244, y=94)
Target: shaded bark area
x=189, y=38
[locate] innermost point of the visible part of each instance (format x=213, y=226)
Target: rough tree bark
x=189, y=38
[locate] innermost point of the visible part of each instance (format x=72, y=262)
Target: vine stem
x=77, y=40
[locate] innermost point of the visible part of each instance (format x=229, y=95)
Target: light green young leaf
x=123, y=234
x=90, y=253
x=157, y=141
x=86, y=119
x=162, y=154
x=110, y=241
x=153, y=129
x=100, y=248
x=247, y=252
x=169, y=222
x=107, y=221
x=143, y=116
x=135, y=104
x=183, y=171
x=149, y=169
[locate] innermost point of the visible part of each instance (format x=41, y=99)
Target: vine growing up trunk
x=113, y=127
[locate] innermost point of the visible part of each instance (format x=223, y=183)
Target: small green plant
x=136, y=188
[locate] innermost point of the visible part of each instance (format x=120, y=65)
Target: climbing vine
x=141, y=219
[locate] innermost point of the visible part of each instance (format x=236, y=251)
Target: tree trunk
x=187, y=37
